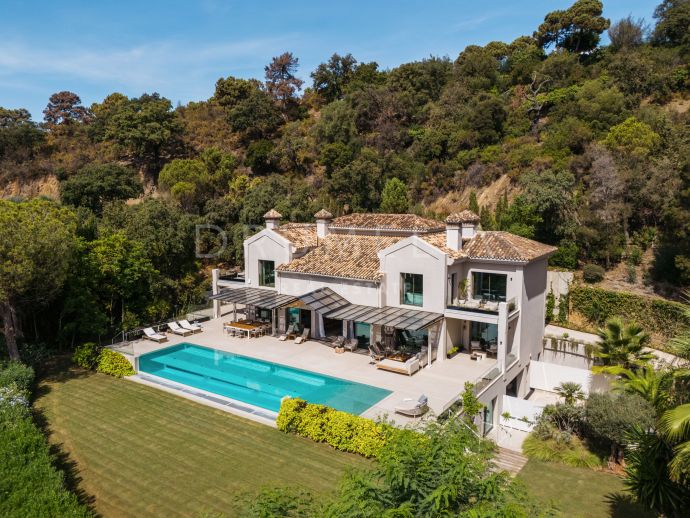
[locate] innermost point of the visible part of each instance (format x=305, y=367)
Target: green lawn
x=138, y=451
x=579, y=492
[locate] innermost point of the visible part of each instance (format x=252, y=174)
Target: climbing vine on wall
x=661, y=317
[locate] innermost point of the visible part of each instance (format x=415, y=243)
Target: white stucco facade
x=516, y=318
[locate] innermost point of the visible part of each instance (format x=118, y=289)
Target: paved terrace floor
x=442, y=382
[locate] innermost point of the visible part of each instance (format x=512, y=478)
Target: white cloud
x=473, y=23
x=149, y=66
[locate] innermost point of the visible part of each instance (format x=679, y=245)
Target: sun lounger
x=150, y=334
x=351, y=345
x=175, y=328
x=303, y=337
x=338, y=341
x=288, y=332
x=194, y=328
x=413, y=407
x=375, y=352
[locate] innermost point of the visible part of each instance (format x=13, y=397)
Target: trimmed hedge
x=113, y=363
x=343, y=431
x=29, y=483
x=86, y=355
x=661, y=317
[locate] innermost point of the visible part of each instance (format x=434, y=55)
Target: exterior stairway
x=510, y=461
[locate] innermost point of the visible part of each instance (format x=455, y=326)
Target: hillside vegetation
x=552, y=136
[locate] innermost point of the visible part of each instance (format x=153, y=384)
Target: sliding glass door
x=489, y=286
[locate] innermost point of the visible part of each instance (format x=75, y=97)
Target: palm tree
x=622, y=345
x=648, y=477
x=646, y=382
x=674, y=426
x=570, y=391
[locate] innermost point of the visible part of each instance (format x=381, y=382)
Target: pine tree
x=474, y=204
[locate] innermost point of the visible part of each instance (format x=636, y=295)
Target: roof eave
x=363, y=279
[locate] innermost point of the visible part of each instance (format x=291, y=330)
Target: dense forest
x=553, y=136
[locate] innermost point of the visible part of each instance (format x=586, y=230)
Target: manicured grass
x=580, y=492
x=138, y=451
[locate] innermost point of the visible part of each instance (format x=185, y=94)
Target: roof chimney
x=272, y=218
x=459, y=226
x=323, y=219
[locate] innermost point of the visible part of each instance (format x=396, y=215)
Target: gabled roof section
x=464, y=216
x=504, y=246
x=438, y=239
x=301, y=235
x=344, y=256
x=390, y=222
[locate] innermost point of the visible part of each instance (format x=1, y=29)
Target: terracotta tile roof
x=369, y=221
x=438, y=239
x=302, y=235
x=273, y=214
x=505, y=246
x=338, y=255
x=323, y=214
x=465, y=216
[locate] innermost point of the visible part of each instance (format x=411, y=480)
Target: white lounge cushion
x=177, y=329
x=409, y=367
x=150, y=333
x=189, y=326
x=413, y=407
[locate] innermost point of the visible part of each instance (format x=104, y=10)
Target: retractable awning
x=323, y=300
x=402, y=318
x=267, y=299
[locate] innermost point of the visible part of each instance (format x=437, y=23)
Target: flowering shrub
x=343, y=431
x=114, y=364
x=12, y=395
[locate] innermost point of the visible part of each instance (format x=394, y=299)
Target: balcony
x=477, y=306
x=488, y=307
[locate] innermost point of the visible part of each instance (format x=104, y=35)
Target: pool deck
x=442, y=382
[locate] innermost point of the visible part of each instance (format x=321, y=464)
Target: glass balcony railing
x=479, y=306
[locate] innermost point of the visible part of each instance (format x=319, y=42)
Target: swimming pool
x=256, y=382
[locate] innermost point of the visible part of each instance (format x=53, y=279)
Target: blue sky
x=180, y=49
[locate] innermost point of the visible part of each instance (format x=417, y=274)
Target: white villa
x=400, y=282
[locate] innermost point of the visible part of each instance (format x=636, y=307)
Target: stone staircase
x=510, y=461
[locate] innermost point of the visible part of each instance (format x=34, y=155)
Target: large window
x=267, y=273
x=486, y=334
x=489, y=286
x=412, y=289
x=363, y=333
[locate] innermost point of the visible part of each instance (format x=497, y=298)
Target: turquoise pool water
x=256, y=382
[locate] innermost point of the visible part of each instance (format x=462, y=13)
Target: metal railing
x=195, y=313
x=486, y=379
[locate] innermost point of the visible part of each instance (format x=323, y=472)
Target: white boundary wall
x=559, y=282
x=518, y=409
x=547, y=376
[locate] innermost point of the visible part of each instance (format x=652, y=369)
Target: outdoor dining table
x=243, y=327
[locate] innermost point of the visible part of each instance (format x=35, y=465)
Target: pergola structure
x=331, y=305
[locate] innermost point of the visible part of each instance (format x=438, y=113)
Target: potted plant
x=462, y=289
x=452, y=351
